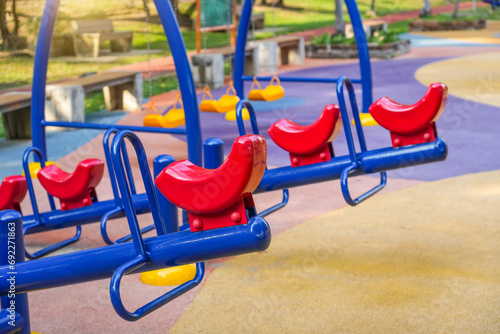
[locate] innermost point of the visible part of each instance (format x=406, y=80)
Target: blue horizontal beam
x=370, y=162
x=90, y=214
x=300, y=79
x=114, y=126
x=166, y=250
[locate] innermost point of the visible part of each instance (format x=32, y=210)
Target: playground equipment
x=226, y=103
x=361, y=42
x=140, y=255
x=311, y=162
x=186, y=84
x=13, y=189
x=172, y=119
x=102, y=210
x=270, y=93
x=493, y=3
x=308, y=144
x=412, y=124
x=215, y=16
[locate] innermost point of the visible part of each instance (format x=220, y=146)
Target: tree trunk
x=4, y=31
x=16, y=18
x=279, y=3
x=455, y=10
x=339, y=17
x=426, y=8
x=373, y=5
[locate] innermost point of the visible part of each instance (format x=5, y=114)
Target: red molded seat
x=217, y=197
x=76, y=189
x=12, y=192
x=308, y=144
x=412, y=124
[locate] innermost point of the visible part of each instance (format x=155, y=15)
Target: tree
x=426, y=8
x=455, y=10
x=373, y=6
x=339, y=17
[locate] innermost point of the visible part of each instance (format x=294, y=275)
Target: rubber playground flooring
x=419, y=258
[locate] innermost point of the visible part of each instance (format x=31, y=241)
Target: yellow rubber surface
x=423, y=259
x=475, y=78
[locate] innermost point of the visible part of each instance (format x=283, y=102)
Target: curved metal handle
x=51, y=248
x=344, y=176
x=239, y=117
x=104, y=230
x=134, y=264
x=255, y=128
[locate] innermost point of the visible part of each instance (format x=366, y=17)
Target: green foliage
x=379, y=37
x=2, y=132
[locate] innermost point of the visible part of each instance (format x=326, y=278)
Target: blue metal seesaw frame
x=115, y=261
x=361, y=43
x=354, y=164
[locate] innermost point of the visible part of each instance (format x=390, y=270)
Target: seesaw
x=78, y=198
x=221, y=236
x=414, y=142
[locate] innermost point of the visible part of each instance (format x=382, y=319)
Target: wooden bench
x=208, y=66
x=15, y=108
x=280, y=50
x=66, y=100
x=88, y=35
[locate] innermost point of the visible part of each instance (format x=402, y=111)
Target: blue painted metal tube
x=167, y=209
x=6, y=326
x=363, y=54
x=241, y=42
x=41, y=63
x=60, y=219
x=113, y=126
x=213, y=152
x=369, y=162
x=12, y=244
x=167, y=250
x=300, y=79
x=185, y=77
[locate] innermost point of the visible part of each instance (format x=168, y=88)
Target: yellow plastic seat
x=173, y=118
x=366, y=120
x=152, y=119
x=169, y=276
x=274, y=92
x=208, y=105
x=228, y=102
x=256, y=94
x=35, y=167
x=270, y=93
x=231, y=115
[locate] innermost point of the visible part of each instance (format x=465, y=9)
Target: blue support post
x=167, y=209
x=363, y=53
x=213, y=151
x=15, y=311
x=41, y=61
x=185, y=77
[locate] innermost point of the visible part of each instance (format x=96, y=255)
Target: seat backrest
x=96, y=25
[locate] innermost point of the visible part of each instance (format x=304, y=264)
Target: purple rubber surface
x=470, y=129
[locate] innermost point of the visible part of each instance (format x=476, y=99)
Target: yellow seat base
x=273, y=93
x=209, y=106
x=152, y=120
x=169, y=276
x=231, y=115
x=35, y=168
x=174, y=118
x=227, y=103
x=366, y=120
x=256, y=95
